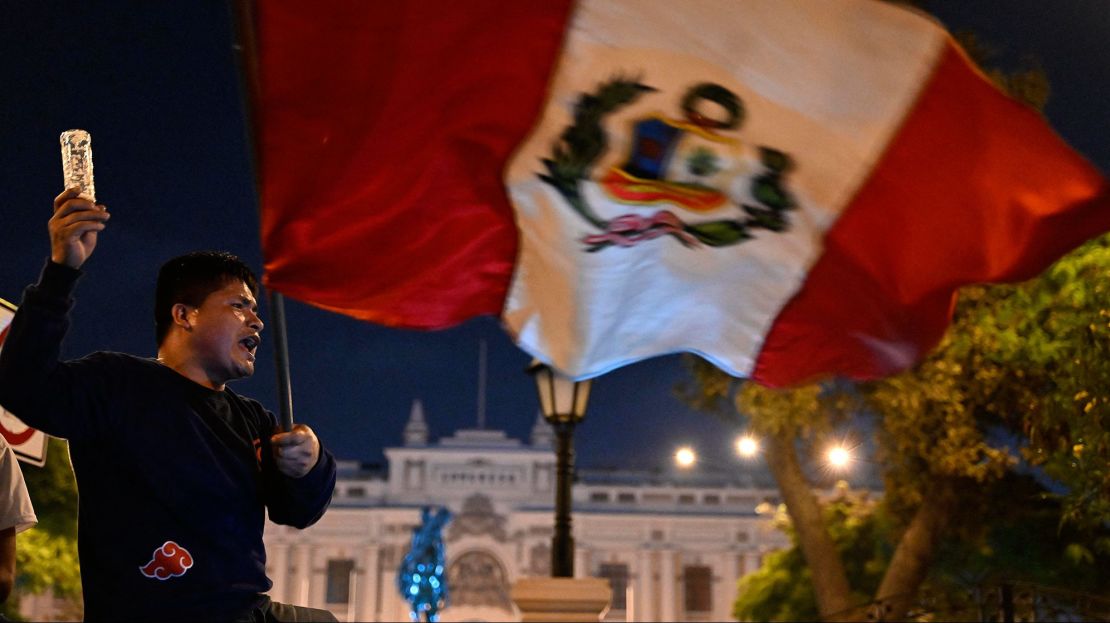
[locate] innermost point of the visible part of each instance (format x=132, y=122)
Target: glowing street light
x=685, y=457
x=747, y=446
x=839, y=457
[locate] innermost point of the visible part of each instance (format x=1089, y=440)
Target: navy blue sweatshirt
x=174, y=478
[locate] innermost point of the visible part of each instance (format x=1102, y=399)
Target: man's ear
x=180, y=314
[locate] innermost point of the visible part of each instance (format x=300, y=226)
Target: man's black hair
x=190, y=278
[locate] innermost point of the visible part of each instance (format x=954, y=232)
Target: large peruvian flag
x=789, y=188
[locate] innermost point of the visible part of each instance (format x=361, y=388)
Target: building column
x=365, y=606
x=722, y=602
x=667, y=586
x=581, y=562
x=392, y=607
x=299, y=590
x=751, y=562
x=643, y=588
x=278, y=559
x=318, y=581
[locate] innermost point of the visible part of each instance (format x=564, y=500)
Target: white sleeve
x=15, y=504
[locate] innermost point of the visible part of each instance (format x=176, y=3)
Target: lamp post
x=563, y=402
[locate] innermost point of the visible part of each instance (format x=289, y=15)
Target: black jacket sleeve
x=60, y=399
x=298, y=502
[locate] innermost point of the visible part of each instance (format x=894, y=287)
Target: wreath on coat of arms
x=642, y=179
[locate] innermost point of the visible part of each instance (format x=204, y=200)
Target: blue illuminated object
x=425, y=592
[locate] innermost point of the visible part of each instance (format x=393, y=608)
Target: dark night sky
x=156, y=85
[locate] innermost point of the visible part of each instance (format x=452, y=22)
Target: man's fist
x=297, y=451
x=74, y=227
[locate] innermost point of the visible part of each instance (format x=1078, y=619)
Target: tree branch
x=915, y=552
x=830, y=582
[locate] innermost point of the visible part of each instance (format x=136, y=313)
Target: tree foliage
x=1024, y=543
x=1022, y=375
x=782, y=590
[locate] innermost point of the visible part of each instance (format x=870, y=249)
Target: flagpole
x=281, y=360
x=242, y=13
x=482, y=384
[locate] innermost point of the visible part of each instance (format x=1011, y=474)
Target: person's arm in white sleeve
x=16, y=515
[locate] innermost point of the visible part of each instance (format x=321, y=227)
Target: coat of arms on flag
x=696, y=165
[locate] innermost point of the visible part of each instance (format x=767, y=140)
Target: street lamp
x=685, y=456
x=747, y=447
x=563, y=402
x=839, y=457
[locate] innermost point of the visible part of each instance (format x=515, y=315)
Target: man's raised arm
x=31, y=379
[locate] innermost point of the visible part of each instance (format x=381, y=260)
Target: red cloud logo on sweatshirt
x=169, y=561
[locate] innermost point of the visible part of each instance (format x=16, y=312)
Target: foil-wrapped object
x=77, y=164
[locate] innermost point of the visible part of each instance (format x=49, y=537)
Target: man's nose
x=255, y=322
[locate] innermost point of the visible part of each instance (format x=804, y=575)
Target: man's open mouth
x=250, y=343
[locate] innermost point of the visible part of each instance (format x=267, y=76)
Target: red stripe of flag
x=406, y=222
x=975, y=187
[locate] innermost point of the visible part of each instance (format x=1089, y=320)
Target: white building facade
x=672, y=545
